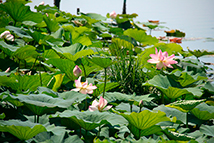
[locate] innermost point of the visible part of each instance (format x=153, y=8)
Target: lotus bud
x=77, y=71
x=141, y=103
x=46, y=14
x=42, y=3
x=7, y=70
x=113, y=14
x=7, y=36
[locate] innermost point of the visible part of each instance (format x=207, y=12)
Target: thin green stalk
x=40, y=76
x=104, y=82
x=131, y=107
x=37, y=119
x=162, y=98
x=84, y=70
x=187, y=120
x=80, y=132
x=34, y=63
x=34, y=118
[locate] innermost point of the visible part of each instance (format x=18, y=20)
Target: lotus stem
x=37, y=119
x=40, y=76
x=84, y=70
x=34, y=118
x=104, y=82
x=80, y=132
x=187, y=120
x=162, y=98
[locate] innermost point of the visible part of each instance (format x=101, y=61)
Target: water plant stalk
x=105, y=70
x=187, y=119
x=40, y=76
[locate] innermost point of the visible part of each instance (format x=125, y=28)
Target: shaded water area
x=194, y=17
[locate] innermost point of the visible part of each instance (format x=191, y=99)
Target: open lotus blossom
x=162, y=59
x=83, y=87
x=6, y=35
x=175, y=40
x=113, y=14
x=77, y=71
x=101, y=105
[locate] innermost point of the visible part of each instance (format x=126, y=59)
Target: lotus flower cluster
x=162, y=59
x=113, y=14
x=6, y=35
x=83, y=87
x=101, y=105
x=77, y=71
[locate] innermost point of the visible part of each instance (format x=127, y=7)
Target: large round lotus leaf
x=203, y=111
x=141, y=36
x=103, y=62
x=20, y=12
x=168, y=86
x=177, y=136
x=185, y=105
x=20, y=129
x=90, y=120
x=138, y=133
x=121, y=97
x=40, y=104
x=145, y=119
x=207, y=130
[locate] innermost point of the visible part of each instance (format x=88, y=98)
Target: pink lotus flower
x=7, y=36
x=101, y=105
x=83, y=87
x=42, y=3
x=162, y=59
x=7, y=70
x=113, y=14
x=77, y=71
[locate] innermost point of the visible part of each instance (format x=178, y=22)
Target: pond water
x=194, y=17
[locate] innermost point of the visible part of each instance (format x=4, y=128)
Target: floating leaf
x=22, y=130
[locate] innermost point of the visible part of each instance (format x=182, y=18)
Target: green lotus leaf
x=83, y=53
x=116, y=96
x=167, y=85
x=109, y=86
x=66, y=66
x=199, y=53
x=207, y=130
x=8, y=49
x=177, y=136
x=172, y=112
x=72, y=49
x=40, y=104
x=94, y=16
x=22, y=130
x=145, y=119
x=185, y=79
x=51, y=22
x=19, y=12
x=203, y=111
x=73, y=139
x=58, y=81
x=139, y=133
x=25, y=52
x=76, y=96
x=141, y=36
x=90, y=120
x=185, y=105
x=209, y=86
x=20, y=33
x=103, y=62
x=2, y=116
